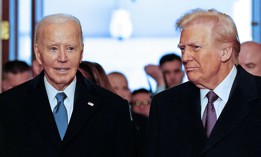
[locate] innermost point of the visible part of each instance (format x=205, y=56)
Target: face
x=120, y=86
x=60, y=53
x=141, y=103
x=201, y=56
x=172, y=73
x=250, y=60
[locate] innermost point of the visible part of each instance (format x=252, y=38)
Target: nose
x=62, y=56
x=186, y=56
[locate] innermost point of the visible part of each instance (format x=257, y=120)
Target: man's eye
x=166, y=72
x=196, y=47
x=182, y=48
x=53, y=48
x=70, y=48
x=177, y=71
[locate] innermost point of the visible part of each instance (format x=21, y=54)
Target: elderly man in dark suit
x=59, y=112
x=217, y=113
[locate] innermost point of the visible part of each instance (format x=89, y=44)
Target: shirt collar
x=51, y=91
x=224, y=88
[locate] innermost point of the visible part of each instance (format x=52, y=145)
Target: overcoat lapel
x=189, y=116
x=85, y=104
x=39, y=107
x=237, y=108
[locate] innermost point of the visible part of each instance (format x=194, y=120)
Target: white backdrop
x=129, y=56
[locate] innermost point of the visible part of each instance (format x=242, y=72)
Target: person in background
x=217, y=112
x=250, y=57
x=95, y=73
x=106, y=83
x=36, y=68
x=15, y=73
x=120, y=84
x=60, y=112
x=140, y=101
x=168, y=74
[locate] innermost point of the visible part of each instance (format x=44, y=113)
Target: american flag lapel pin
x=90, y=104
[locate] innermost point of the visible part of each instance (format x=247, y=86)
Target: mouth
x=62, y=69
x=188, y=69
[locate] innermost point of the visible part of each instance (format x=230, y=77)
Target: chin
x=192, y=79
x=64, y=80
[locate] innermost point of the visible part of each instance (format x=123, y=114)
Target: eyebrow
x=180, y=45
x=191, y=44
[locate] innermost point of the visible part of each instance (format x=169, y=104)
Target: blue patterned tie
x=60, y=114
x=209, y=117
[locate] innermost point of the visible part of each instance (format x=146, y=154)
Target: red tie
x=209, y=117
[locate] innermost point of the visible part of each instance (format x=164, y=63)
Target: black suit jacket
x=27, y=126
x=175, y=128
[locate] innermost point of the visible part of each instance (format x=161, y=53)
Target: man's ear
x=37, y=54
x=226, y=54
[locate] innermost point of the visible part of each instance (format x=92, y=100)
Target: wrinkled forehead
x=57, y=20
x=67, y=33
x=196, y=33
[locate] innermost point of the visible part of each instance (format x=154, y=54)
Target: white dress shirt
x=222, y=90
x=68, y=102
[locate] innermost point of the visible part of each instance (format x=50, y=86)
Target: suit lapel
x=84, y=106
x=40, y=108
x=189, y=116
x=236, y=109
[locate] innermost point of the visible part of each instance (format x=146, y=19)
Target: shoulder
x=176, y=92
x=107, y=95
x=25, y=89
x=174, y=97
x=247, y=80
x=18, y=91
x=13, y=98
x=101, y=95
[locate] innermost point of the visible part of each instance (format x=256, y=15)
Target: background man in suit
x=97, y=122
x=182, y=122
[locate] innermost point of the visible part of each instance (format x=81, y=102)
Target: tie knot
x=212, y=96
x=60, y=96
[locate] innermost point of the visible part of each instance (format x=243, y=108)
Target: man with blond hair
x=217, y=113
